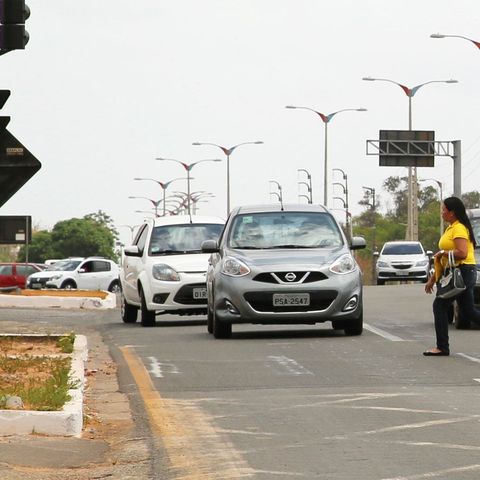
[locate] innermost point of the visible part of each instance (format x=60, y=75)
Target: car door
x=103, y=270
x=87, y=278
x=23, y=271
x=132, y=266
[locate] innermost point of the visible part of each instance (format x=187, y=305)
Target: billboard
x=15, y=230
x=407, y=148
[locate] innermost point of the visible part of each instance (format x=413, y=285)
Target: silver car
x=287, y=264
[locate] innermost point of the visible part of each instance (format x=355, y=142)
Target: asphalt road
x=308, y=403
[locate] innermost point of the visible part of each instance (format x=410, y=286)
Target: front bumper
x=414, y=273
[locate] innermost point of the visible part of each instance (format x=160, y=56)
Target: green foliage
x=40, y=249
x=471, y=199
x=66, y=342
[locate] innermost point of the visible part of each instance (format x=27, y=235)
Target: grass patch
x=41, y=381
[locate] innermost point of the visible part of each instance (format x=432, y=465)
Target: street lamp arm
x=306, y=171
x=343, y=201
x=277, y=184
x=416, y=88
x=342, y=185
x=341, y=171
x=306, y=184
x=225, y=150
x=439, y=35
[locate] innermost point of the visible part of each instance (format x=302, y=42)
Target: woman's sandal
x=436, y=353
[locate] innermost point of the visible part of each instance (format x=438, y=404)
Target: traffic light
x=4, y=94
x=13, y=35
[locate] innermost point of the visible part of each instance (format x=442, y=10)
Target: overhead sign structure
x=407, y=148
x=13, y=14
x=17, y=164
x=15, y=230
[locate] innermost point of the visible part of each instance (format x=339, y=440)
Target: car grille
x=406, y=274
x=39, y=281
x=281, y=277
x=402, y=266
x=263, y=301
x=185, y=295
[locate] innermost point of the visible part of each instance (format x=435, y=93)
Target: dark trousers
x=442, y=307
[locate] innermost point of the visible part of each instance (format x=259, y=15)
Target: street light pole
x=188, y=167
x=326, y=119
x=412, y=200
x=155, y=203
x=228, y=152
x=279, y=194
x=309, y=184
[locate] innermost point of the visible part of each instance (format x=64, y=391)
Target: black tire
x=115, y=287
x=148, y=316
x=128, y=312
x=68, y=285
x=380, y=282
x=209, y=320
x=458, y=322
x=355, y=327
x=221, y=329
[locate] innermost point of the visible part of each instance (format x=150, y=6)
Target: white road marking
x=468, y=357
x=438, y=473
x=452, y=446
x=288, y=366
x=382, y=333
x=157, y=368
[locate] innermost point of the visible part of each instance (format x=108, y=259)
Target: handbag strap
x=451, y=259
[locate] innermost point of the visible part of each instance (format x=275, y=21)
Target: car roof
x=183, y=219
x=403, y=242
x=277, y=207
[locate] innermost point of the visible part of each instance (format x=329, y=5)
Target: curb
x=58, y=302
x=67, y=422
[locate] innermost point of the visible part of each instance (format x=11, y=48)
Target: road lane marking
x=195, y=447
x=452, y=446
x=468, y=357
x=288, y=366
x=382, y=333
x=438, y=473
x=157, y=368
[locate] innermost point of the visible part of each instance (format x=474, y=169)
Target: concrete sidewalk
x=107, y=448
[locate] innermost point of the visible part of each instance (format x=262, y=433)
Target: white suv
x=164, y=270
x=402, y=260
x=92, y=273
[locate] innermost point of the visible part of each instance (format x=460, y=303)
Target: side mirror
x=357, y=243
x=210, y=246
x=429, y=253
x=376, y=254
x=132, y=251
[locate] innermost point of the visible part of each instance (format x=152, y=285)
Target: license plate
x=282, y=299
x=400, y=273
x=200, y=293
x=36, y=285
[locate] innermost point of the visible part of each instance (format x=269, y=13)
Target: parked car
x=286, y=264
x=164, y=270
x=92, y=273
x=402, y=260
x=464, y=323
x=14, y=275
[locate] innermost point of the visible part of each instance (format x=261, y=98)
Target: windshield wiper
x=290, y=246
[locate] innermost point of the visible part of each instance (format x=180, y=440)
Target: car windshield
x=284, y=230
x=64, y=265
x=185, y=238
x=476, y=229
x=403, y=249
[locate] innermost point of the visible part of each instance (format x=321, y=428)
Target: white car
x=92, y=273
x=164, y=271
x=402, y=260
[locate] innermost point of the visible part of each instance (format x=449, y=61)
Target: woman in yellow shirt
x=459, y=238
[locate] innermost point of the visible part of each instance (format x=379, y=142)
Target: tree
x=471, y=199
x=40, y=249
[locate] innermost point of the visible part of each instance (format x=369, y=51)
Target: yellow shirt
x=447, y=242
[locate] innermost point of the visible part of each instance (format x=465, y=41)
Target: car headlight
x=54, y=277
x=234, y=268
x=165, y=273
x=382, y=264
x=422, y=263
x=343, y=264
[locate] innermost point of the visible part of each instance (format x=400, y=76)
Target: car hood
x=402, y=258
x=196, y=262
x=47, y=274
x=288, y=258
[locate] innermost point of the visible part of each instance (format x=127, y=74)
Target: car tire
x=380, y=282
x=221, y=329
x=148, y=316
x=129, y=312
x=355, y=327
x=459, y=323
x=209, y=320
x=115, y=287
x=68, y=285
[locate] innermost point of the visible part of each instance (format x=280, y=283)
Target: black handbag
x=451, y=282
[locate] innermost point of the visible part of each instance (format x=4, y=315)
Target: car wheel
x=129, y=312
x=380, y=282
x=68, y=285
x=221, y=329
x=148, y=317
x=355, y=327
x=115, y=287
x=458, y=322
x=209, y=320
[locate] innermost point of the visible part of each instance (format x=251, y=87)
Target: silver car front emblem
x=290, y=277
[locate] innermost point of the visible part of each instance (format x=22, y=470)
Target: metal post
x=188, y=190
x=457, y=168
x=325, y=169
x=228, y=184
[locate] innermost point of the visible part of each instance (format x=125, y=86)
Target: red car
x=13, y=275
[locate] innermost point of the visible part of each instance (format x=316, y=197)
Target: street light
x=164, y=186
x=440, y=35
x=155, y=203
x=412, y=210
x=309, y=184
x=131, y=228
x=326, y=119
x=188, y=167
x=440, y=193
x=228, y=152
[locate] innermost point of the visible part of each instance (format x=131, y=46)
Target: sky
x=104, y=88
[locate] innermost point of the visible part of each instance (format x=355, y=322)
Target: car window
x=284, y=230
x=403, y=249
x=64, y=265
x=6, y=269
x=25, y=270
x=101, y=266
x=141, y=239
x=476, y=229
x=184, y=238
